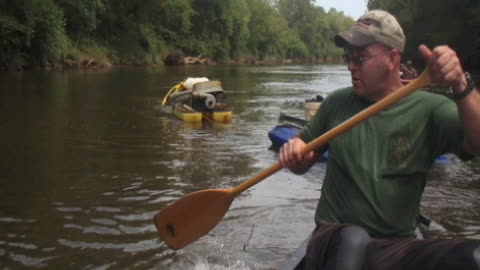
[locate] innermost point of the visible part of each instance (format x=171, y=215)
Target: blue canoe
x=289, y=126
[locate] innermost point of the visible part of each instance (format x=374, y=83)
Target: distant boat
x=196, y=99
x=288, y=126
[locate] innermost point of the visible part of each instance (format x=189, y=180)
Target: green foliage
x=82, y=15
x=49, y=39
x=47, y=32
x=296, y=48
x=222, y=26
x=32, y=33
x=173, y=21
x=269, y=33
x=13, y=36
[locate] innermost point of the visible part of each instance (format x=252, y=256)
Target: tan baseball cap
x=375, y=26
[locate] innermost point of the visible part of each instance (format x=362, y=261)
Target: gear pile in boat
x=196, y=99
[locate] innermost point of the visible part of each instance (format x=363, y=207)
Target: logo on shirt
x=400, y=148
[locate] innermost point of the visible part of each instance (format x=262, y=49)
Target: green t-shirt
x=376, y=171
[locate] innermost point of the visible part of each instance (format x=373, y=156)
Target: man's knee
x=337, y=247
x=353, y=237
x=476, y=256
x=352, y=244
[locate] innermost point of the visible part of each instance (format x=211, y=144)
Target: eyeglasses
x=357, y=60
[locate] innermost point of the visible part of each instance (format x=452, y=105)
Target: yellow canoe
x=186, y=113
x=219, y=117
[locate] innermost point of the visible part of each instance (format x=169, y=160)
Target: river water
x=88, y=159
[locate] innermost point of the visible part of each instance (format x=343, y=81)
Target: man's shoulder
x=340, y=93
x=343, y=90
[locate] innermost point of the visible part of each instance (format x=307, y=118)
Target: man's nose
x=351, y=66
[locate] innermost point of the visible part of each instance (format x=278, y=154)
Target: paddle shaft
x=423, y=80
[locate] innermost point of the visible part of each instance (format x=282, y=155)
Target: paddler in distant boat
x=408, y=71
x=376, y=172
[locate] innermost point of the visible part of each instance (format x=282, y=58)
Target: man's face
x=369, y=70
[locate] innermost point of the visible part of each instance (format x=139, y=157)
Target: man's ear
x=395, y=58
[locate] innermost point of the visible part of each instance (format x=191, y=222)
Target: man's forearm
x=469, y=110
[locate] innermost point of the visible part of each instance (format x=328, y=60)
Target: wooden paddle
x=195, y=214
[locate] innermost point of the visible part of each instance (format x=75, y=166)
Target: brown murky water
x=88, y=159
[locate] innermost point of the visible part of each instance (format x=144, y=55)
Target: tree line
x=438, y=22
x=46, y=33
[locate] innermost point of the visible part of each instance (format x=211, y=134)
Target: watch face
x=470, y=82
x=468, y=77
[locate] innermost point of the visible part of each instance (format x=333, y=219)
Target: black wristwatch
x=470, y=87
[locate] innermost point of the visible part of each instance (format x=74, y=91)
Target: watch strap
x=470, y=87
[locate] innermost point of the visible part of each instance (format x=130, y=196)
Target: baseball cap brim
x=353, y=38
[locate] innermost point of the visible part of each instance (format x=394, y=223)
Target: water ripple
x=140, y=246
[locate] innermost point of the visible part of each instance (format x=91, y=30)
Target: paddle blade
x=193, y=216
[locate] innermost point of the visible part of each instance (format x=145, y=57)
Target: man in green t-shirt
x=369, y=207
